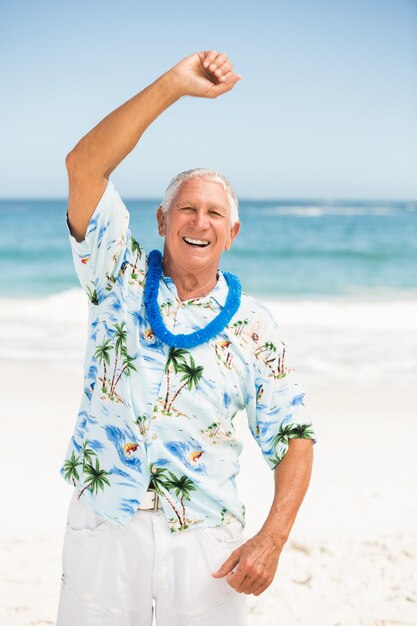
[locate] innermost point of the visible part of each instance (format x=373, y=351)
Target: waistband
x=151, y=501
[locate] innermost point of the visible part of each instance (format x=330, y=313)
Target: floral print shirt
x=149, y=411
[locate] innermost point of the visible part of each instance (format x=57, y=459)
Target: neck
x=189, y=284
x=202, y=335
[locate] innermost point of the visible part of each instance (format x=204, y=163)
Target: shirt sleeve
x=101, y=256
x=275, y=409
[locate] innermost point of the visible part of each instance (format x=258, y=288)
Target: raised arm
x=89, y=164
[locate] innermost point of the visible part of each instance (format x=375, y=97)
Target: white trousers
x=131, y=576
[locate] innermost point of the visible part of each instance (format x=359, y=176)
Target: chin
x=196, y=262
x=199, y=261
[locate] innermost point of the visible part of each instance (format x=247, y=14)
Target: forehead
x=203, y=191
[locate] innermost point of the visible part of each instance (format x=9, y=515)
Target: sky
x=327, y=107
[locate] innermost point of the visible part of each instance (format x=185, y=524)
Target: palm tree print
x=182, y=487
x=121, y=337
x=137, y=250
x=281, y=372
x=300, y=431
x=102, y=354
x=277, y=458
x=144, y=401
x=96, y=476
x=191, y=377
x=166, y=305
x=265, y=346
x=161, y=485
x=213, y=429
x=272, y=350
x=204, y=305
x=216, y=433
x=70, y=468
x=176, y=356
x=141, y=421
x=127, y=368
x=239, y=326
x=92, y=293
x=84, y=459
x=87, y=453
x=303, y=431
x=297, y=431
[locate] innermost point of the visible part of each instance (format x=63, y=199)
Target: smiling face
x=197, y=226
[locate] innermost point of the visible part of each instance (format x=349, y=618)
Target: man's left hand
x=251, y=567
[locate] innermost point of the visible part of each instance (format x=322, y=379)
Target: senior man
x=174, y=351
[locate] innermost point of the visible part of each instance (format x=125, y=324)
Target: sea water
x=339, y=276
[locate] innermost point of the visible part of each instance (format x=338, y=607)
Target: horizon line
x=241, y=199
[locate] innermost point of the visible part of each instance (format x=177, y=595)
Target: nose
x=200, y=220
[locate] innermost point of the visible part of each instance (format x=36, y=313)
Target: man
x=174, y=351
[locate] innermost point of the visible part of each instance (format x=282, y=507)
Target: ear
x=160, y=216
x=232, y=235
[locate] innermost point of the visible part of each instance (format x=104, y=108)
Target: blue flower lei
x=197, y=337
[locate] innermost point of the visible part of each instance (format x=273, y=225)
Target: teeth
x=197, y=241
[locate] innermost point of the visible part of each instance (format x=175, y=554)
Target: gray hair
x=201, y=172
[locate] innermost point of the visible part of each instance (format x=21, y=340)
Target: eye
x=216, y=213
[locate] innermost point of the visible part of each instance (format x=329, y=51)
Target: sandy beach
x=351, y=558
x=307, y=110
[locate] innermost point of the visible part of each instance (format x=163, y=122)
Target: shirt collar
x=218, y=293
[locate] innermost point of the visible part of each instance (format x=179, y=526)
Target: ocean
x=284, y=248
x=340, y=277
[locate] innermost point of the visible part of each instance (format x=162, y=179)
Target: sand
x=351, y=558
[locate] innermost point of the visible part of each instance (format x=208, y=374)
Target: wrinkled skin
x=251, y=567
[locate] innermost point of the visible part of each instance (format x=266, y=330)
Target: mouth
x=199, y=243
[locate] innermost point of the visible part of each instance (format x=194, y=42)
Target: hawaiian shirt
x=149, y=411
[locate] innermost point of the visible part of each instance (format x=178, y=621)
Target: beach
x=351, y=558
x=310, y=116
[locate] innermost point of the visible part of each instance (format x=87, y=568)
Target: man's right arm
x=97, y=154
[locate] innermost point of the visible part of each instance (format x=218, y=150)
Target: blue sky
x=326, y=109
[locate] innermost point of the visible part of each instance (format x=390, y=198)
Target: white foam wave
x=50, y=328
x=341, y=340
x=347, y=340
x=320, y=211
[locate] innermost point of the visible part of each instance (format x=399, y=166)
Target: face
x=200, y=212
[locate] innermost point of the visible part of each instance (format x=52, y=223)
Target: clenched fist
x=205, y=74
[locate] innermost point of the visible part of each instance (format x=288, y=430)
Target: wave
x=277, y=252
x=335, y=211
x=341, y=340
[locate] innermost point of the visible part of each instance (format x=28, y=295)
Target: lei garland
x=197, y=337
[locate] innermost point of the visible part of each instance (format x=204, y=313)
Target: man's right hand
x=205, y=74
x=90, y=163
